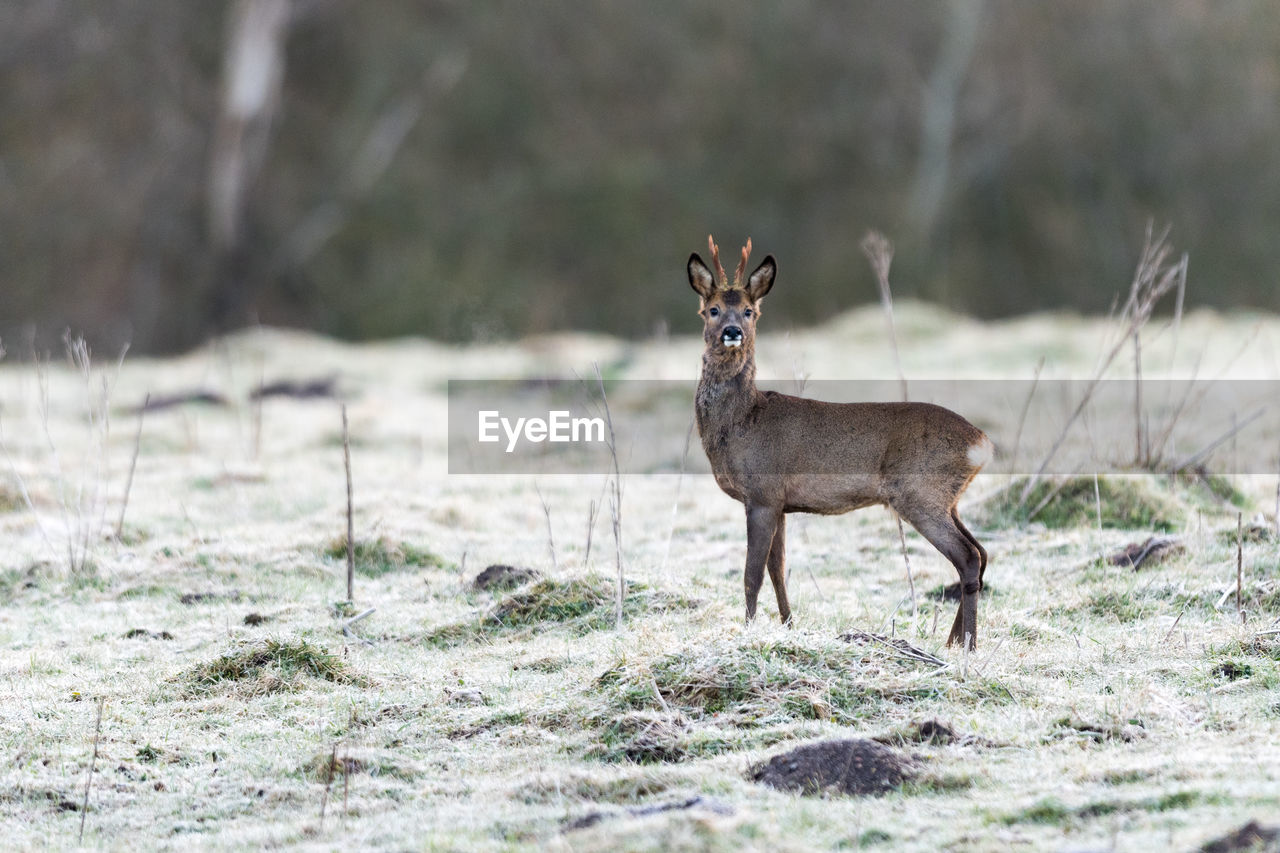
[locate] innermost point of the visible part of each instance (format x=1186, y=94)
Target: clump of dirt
x=503, y=577
x=268, y=666
x=1250, y=837
x=853, y=767
x=1155, y=549
x=926, y=731
x=255, y=619
x=932, y=733
x=1232, y=670
x=377, y=557
x=144, y=634
x=582, y=604
x=1126, y=502
x=190, y=598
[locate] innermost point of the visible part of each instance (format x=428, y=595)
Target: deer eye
x=748, y=313
x=713, y=312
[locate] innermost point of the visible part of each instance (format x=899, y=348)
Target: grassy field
x=1106, y=708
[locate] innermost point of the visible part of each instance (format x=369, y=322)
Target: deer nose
x=731, y=336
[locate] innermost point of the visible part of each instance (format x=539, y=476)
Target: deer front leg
x=762, y=522
x=778, y=569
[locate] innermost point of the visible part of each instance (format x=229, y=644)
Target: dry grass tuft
x=756, y=683
x=381, y=556
x=582, y=605
x=268, y=666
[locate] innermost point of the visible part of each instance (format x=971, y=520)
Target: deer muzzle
x=731, y=337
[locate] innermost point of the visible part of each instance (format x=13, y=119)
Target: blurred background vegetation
x=468, y=169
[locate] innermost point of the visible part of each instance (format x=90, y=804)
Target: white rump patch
x=980, y=454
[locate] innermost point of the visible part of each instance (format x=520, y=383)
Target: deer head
x=729, y=310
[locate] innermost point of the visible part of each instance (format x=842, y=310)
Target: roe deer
x=779, y=454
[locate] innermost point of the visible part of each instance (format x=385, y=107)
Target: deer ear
x=762, y=279
x=700, y=278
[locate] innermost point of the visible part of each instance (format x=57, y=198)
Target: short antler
x=742, y=264
x=715, y=259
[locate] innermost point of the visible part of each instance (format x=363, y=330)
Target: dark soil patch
x=853, y=767
x=144, y=634
x=255, y=619
x=1155, y=549
x=931, y=733
x=190, y=598
x=1232, y=671
x=700, y=802
x=1250, y=837
x=298, y=389
x=159, y=402
x=502, y=577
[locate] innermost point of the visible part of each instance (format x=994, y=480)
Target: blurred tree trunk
x=937, y=126
x=253, y=72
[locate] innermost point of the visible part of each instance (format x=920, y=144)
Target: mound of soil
x=1251, y=836
x=499, y=576
x=836, y=766
x=1155, y=548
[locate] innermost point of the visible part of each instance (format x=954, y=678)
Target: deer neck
x=726, y=392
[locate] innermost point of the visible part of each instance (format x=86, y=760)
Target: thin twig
x=93, y=763
x=1277, y=513
x=1240, y=565
x=351, y=542
x=1169, y=633
x=328, y=781
x=1152, y=280
x=911, y=583
x=354, y=619
x=879, y=252
x=1022, y=417
x=1213, y=445
x=133, y=464
x=551, y=542
x=675, y=504
x=615, y=503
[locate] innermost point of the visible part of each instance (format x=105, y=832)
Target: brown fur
x=777, y=453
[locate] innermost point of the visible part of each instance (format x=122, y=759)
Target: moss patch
x=1132, y=502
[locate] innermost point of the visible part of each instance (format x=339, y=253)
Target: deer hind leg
x=982, y=569
x=762, y=522
x=778, y=569
x=966, y=555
